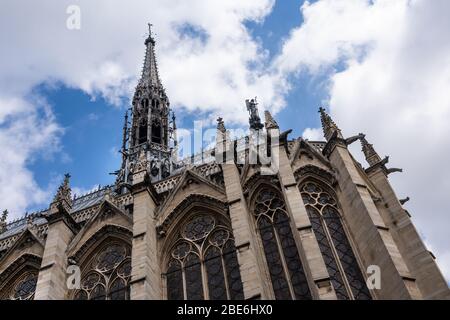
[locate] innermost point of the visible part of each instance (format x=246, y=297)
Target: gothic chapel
x=200, y=228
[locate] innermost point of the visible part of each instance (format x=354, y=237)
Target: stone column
x=429, y=278
x=372, y=237
x=146, y=281
x=52, y=280
x=249, y=257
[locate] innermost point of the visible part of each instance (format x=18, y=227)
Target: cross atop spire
x=150, y=29
x=328, y=125
x=150, y=37
x=371, y=155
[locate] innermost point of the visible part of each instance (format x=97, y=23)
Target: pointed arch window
x=203, y=263
x=23, y=287
x=282, y=256
x=142, y=138
x=107, y=274
x=341, y=263
x=156, y=132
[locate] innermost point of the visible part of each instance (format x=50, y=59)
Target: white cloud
x=213, y=68
x=313, y=134
x=393, y=85
x=210, y=73
x=26, y=132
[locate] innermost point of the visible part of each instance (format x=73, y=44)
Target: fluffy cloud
x=208, y=63
x=388, y=70
x=25, y=129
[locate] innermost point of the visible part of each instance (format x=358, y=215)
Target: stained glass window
x=203, y=263
x=108, y=274
x=25, y=286
x=341, y=263
x=283, y=260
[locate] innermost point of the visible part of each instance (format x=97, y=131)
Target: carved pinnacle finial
x=328, y=125
x=371, y=155
x=221, y=125
x=3, y=221
x=270, y=121
x=30, y=223
x=63, y=195
x=4, y=215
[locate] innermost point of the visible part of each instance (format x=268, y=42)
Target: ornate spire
x=63, y=195
x=270, y=121
x=150, y=76
x=150, y=125
x=371, y=155
x=254, y=120
x=328, y=125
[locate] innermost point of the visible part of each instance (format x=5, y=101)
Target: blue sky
x=380, y=67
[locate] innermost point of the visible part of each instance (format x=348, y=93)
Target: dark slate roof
x=79, y=203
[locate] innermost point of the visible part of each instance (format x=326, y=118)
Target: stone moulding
x=191, y=201
x=106, y=231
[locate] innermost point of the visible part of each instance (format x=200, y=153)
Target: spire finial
x=150, y=36
x=270, y=121
x=4, y=215
x=371, y=155
x=150, y=29
x=63, y=195
x=3, y=221
x=173, y=120
x=254, y=120
x=328, y=125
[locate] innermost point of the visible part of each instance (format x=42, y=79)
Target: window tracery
x=203, y=263
x=108, y=273
x=283, y=260
x=334, y=245
x=24, y=287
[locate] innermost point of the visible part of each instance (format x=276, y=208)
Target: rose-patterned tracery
x=341, y=263
x=107, y=275
x=203, y=263
x=24, y=287
x=283, y=260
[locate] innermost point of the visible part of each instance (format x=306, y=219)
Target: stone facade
x=316, y=227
